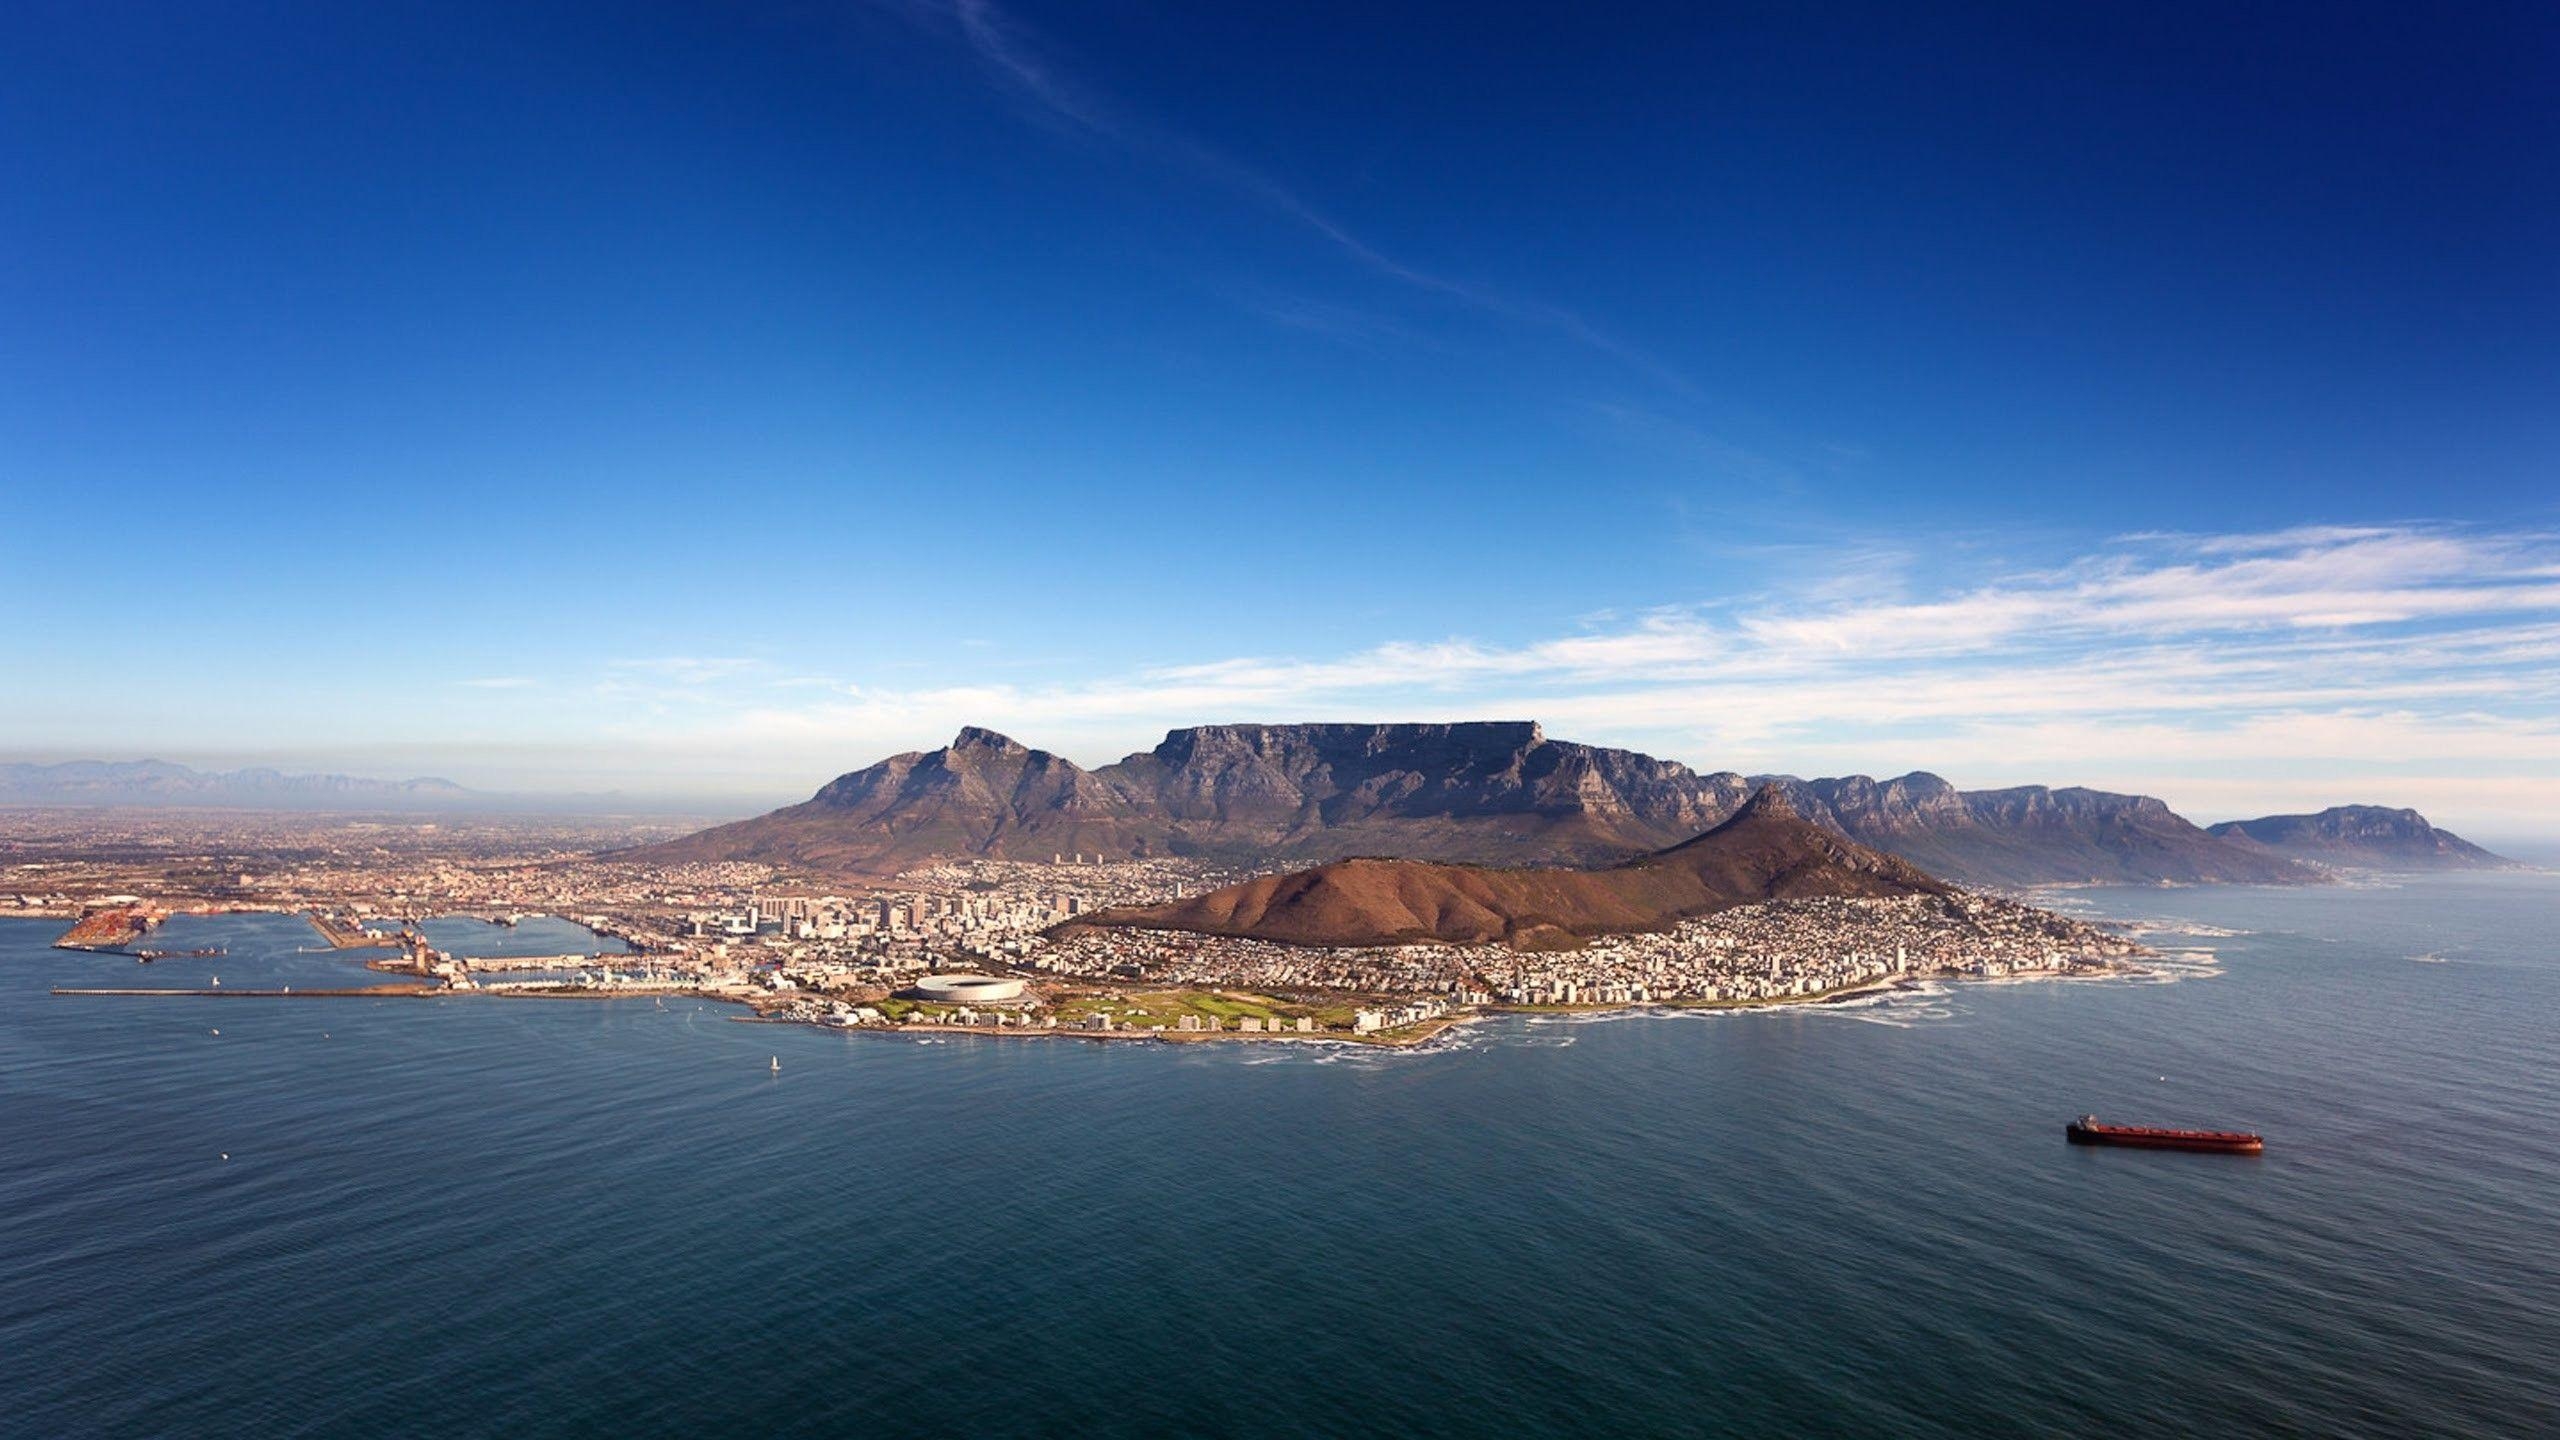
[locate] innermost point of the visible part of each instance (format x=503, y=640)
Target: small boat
x=2087, y=1131
x=777, y=1064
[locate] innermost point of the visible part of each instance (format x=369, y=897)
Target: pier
x=345, y=934
x=112, y=929
x=545, y=962
x=227, y=993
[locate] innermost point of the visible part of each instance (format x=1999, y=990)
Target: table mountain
x=1498, y=793
x=1473, y=791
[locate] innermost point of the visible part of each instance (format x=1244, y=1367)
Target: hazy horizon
x=712, y=804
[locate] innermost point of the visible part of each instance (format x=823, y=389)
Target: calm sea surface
x=470, y=1215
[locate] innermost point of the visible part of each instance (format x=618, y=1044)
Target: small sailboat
x=777, y=1064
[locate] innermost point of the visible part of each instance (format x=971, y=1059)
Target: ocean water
x=467, y=1215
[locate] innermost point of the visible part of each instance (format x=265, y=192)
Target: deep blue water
x=475, y=1215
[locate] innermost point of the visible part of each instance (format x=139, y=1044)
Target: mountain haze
x=2369, y=837
x=161, y=783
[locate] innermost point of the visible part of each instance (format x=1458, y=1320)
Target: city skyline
x=522, y=403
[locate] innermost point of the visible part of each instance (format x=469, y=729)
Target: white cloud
x=688, y=670
x=2386, y=657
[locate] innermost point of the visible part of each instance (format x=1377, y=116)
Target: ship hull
x=2137, y=1138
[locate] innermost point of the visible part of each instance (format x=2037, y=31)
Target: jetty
x=346, y=934
x=231, y=993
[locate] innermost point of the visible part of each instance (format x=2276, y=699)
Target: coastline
x=1439, y=1026
x=767, y=1007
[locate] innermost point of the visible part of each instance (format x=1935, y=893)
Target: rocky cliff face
x=2032, y=835
x=983, y=794
x=1489, y=791
x=1482, y=793
x=1476, y=792
x=2362, y=837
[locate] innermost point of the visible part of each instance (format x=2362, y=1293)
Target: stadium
x=969, y=990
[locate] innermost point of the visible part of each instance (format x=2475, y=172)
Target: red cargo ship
x=2087, y=1131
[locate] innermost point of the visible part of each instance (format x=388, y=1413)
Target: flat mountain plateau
x=1502, y=793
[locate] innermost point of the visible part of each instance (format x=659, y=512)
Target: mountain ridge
x=166, y=783
x=2376, y=837
x=1469, y=790
x=1480, y=792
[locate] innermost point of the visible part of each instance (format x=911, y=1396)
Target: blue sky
x=705, y=399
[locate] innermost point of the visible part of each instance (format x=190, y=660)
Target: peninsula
x=1763, y=908
x=1371, y=883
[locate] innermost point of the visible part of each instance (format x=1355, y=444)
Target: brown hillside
x=1765, y=852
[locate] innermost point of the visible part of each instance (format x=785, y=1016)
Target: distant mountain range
x=160, y=783
x=2362, y=836
x=1765, y=851
x=2032, y=835
x=1489, y=793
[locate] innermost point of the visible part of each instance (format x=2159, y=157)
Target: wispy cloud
x=688, y=669
x=501, y=682
x=2375, y=655
x=1017, y=58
